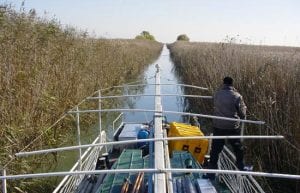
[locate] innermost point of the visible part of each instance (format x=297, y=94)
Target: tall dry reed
x=268, y=77
x=45, y=69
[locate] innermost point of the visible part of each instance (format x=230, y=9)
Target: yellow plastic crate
x=198, y=147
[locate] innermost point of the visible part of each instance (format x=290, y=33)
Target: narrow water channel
x=171, y=103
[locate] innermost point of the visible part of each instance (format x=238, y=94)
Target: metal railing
x=88, y=163
x=76, y=147
x=236, y=183
x=119, y=117
x=162, y=84
x=151, y=170
x=169, y=112
x=150, y=95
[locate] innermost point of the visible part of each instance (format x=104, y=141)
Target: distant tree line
x=183, y=37
x=145, y=35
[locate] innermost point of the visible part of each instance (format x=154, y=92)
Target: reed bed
x=45, y=69
x=268, y=77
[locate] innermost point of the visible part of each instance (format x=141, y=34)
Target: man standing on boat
x=227, y=103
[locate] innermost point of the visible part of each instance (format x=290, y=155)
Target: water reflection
x=170, y=103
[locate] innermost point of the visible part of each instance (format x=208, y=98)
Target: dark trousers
x=218, y=144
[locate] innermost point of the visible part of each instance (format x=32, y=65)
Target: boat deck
x=133, y=159
x=192, y=181
x=129, y=159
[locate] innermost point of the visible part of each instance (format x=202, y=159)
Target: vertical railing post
x=99, y=114
x=78, y=136
x=4, y=188
x=240, y=183
x=107, y=126
x=243, y=129
x=168, y=164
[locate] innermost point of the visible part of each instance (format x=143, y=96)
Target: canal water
x=170, y=103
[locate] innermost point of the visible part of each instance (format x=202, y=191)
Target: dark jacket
x=228, y=103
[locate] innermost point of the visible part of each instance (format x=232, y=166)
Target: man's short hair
x=228, y=80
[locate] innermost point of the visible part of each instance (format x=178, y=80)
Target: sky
x=269, y=22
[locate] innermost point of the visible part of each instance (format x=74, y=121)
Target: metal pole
x=4, y=188
x=152, y=170
x=146, y=140
x=168, y=164
x=114, y=122
x=149, y=95
x=243, y=129
x=170, y=112
x=165, y=84
x=150, y=180
x=99, y=114
x=78, y=137
x=159, y=178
